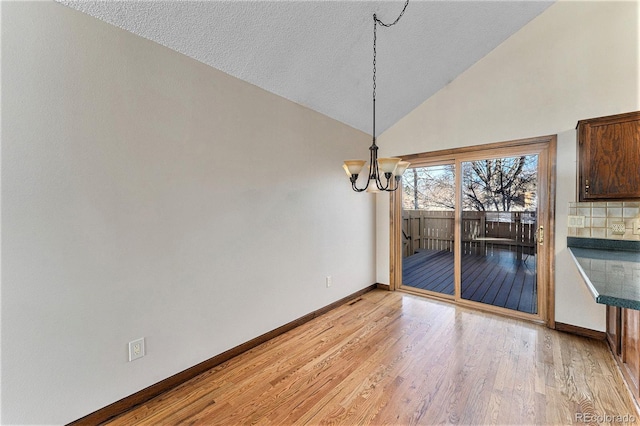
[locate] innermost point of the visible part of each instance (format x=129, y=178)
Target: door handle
x=540, y=236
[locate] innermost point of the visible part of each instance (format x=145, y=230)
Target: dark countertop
x=612, y=275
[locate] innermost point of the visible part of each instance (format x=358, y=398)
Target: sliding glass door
x=499, y=211
x=428, y=228
x=470, y=227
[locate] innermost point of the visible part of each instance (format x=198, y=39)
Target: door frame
x=545, y=148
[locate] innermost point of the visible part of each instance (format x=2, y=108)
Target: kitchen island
x=611, y=272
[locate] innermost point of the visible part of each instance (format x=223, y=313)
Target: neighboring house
x=146, y=194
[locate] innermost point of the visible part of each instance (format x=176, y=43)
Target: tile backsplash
x=599, y=219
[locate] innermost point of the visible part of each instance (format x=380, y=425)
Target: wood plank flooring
x=498, y=279
x=390, y=358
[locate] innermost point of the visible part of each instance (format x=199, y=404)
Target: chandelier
x=384, y=173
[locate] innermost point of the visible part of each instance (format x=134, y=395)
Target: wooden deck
x=497, y=279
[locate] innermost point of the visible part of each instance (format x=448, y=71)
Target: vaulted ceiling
x=319, y=53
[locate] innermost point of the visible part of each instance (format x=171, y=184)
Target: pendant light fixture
x=389, y=168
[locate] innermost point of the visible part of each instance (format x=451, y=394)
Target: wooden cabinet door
x=609, y=157
x=614, y=329
x=630, y=348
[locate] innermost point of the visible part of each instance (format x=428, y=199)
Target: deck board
x=498, y=279
x=431, y=269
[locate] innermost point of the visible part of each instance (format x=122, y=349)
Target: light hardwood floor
x=390, y=358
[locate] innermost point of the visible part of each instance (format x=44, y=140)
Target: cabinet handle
x=540, y=236
x=586, y=186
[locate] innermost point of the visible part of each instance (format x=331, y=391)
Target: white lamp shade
x=388, y=165
x=353, y=167
x=401, y=167
x=372, y=189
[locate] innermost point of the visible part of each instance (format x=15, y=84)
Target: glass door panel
x=499, y=223
x=428, y=227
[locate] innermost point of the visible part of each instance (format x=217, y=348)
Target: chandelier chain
x=377, y=21
x=406, y=3
x=389, y=169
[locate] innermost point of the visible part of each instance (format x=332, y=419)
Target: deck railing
x=481, y=231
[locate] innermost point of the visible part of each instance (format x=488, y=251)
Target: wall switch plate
x=576, y=221
x=636, y=227
x=136, y=349
x=617, y=228
x=329, y=281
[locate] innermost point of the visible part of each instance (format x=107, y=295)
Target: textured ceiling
x=319, y=53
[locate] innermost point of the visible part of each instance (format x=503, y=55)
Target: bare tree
x=429, y=188
x=502, y=184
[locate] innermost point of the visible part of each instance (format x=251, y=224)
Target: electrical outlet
x=329, y=281
x=617, y=228
x=636, y=227
x=136, y=349
x=576, y=221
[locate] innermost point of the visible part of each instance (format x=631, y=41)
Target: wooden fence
x=481, y=231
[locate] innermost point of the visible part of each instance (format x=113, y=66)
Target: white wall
x=146, y=194
x=576, y=60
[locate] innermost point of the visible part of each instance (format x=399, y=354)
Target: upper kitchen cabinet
x=609, y=158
